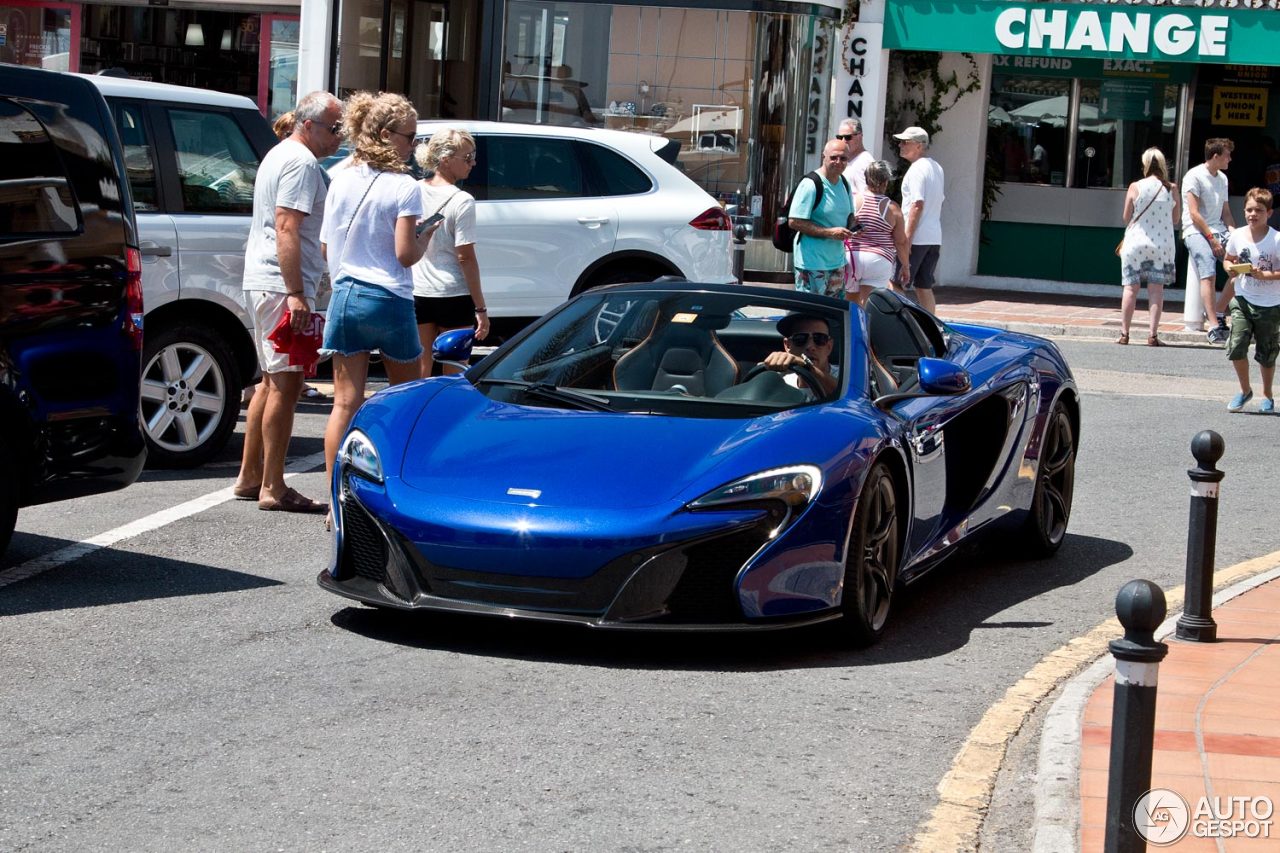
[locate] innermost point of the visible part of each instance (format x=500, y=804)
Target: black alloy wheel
x=871, y=566
x=1055, y=482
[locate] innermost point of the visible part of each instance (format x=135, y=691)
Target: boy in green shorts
x=1252, y=260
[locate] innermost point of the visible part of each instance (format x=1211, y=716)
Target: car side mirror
x=454, y=347
x=942, y=377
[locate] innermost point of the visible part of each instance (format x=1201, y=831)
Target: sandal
x=310, y=392
x=246, y=493
x=1154, y=341
x=293, y=502
x=1123, y=340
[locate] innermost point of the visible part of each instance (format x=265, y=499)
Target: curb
x=1057, y=794
x=1061, y=330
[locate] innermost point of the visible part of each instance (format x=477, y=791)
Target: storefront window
x=39, y=36
x=1118, y=120
x=1027, y=128
x=278, y=85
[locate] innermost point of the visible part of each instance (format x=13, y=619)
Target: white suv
x=563, y=209
x=192, y=156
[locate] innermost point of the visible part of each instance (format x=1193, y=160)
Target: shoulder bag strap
x=352, y=220
x=1133, y=221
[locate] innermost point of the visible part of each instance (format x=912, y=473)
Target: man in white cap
x=922, y=196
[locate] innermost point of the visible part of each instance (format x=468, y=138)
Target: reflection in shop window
x=1027, y=129
x=1119, y=119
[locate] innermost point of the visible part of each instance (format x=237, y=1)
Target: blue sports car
x=684, y=456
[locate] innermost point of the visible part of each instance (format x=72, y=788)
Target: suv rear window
x=216, y=164
x=35, y=190
x=611, y=173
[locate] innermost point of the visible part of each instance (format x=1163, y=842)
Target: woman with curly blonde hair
x=446, y=282
x=371, y=240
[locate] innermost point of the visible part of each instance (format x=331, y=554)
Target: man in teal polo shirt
x=820, y=260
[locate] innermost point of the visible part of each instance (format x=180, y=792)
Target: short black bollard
x=739, y=251
x=1196, y=622
x=1141, y=608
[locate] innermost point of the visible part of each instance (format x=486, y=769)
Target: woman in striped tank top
x=879, y=240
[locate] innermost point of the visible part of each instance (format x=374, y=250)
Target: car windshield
x=678, y=353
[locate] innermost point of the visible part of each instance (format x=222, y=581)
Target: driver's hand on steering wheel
x=782, y=361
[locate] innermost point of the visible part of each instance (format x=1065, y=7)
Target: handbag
x=1120, y=245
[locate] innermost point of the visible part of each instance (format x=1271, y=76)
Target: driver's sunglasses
x=801, y=339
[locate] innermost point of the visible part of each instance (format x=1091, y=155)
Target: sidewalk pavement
x=1217, y=732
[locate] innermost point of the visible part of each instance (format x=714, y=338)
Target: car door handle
x=154, y=250
x=591, y=221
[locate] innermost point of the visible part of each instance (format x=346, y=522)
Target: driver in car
x=806, y=342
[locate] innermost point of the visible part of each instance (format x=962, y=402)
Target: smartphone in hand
x=427, y=223
x=853, y=224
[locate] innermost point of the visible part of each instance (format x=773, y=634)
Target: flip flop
x=293, y=502
x=246, y=493
x=311, y=393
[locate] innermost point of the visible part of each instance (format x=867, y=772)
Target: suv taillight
x=712, y=219
x=133, y=296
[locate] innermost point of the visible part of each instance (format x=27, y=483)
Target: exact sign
x=1239, y=105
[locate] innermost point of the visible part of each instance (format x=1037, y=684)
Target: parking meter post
x=739, y=251
x=1140, y=606
x=1196, y=623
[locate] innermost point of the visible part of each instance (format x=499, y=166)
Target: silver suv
x=192, y=157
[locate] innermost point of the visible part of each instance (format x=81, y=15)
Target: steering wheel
x=804, y=371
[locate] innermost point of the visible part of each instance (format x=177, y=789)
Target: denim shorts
x=1201, y=254
x=365, y=317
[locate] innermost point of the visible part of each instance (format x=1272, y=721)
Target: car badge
x=525, y=493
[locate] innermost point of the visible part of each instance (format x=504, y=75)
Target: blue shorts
x=365, y=317
x=1201, y=256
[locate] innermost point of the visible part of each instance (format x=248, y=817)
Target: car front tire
x=8, y=500
x=190, y=396
x=871, y=565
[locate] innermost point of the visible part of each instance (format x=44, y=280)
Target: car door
x=215, y=166
x=537, y=228
x=157, y=233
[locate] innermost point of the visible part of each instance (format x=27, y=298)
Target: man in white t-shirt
x=1252, y=260
x=850, y=133
x=1206, y=219
x=282, y=267
x=922, y=196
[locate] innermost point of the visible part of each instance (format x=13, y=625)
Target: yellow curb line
x=964, y=794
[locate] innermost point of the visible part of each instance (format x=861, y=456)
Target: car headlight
x=360, y=456
x=782, y=491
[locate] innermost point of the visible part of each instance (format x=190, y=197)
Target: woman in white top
x=370, y=239
x=1151, y=210
x=446, y=282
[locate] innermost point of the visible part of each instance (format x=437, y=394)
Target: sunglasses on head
x=800, y=339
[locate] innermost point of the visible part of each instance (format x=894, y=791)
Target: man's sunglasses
x=801, y=339
x=845, y=137
x=337, y=129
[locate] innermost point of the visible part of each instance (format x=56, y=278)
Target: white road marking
x=45, y=562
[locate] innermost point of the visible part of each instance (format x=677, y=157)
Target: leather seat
x=685, y=354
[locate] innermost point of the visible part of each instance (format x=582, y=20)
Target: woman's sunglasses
x=800, y=339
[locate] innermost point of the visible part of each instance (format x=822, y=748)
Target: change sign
x=1244, y=106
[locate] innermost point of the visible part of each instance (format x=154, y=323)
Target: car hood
x=473, y=448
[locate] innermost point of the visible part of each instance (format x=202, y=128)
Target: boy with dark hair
x=1252, y=260
x=1206, y=218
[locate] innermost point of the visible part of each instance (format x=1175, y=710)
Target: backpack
x=784, y=236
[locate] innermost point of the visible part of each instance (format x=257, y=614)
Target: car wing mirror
x=943, y=378
x=454, y=347
x=938, y=378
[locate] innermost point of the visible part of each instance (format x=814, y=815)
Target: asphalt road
x=191, y=687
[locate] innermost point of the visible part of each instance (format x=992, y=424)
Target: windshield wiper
x=547, y=391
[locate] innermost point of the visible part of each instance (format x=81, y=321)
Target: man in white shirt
x=850, y=133
x=282, y=267
x=1206, y=219
x=922, y=196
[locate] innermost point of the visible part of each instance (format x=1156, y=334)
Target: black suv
x=70, y=296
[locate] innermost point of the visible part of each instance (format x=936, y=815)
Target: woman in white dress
x=1151, y=212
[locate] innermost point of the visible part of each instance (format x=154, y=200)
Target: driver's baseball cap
x=913, y=134
x=788, y=324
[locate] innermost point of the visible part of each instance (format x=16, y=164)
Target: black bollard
x=1196, y=622
x=1140, y=606
x=739, y=251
